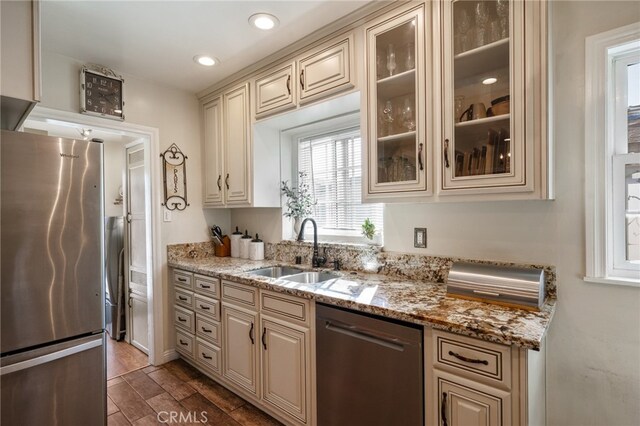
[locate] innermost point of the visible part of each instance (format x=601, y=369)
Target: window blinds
x=333, y=165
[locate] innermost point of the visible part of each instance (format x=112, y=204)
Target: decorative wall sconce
x=174, y=174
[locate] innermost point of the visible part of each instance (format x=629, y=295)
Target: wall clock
x=101, y=92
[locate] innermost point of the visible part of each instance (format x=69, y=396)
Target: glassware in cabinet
x=480, y=148
x=396, y=103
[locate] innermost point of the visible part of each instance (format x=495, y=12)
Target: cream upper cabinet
x=326, y=70
x=275, y=91
x=493, y=139
x=20, y=74
x=240, y=167
x=237, y=155
x=213, y=165
x=396, y=119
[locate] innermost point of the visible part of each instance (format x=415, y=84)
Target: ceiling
x=157, y=40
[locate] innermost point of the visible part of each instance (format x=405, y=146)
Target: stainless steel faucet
x=316, y=260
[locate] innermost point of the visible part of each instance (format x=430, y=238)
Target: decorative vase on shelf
x=297, y=223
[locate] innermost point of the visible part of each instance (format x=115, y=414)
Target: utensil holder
x=224, y=249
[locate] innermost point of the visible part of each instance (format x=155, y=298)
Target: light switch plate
x=167, y=215
x=420, y=237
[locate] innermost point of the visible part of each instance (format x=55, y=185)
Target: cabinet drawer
x=208, y=329
x=473, y=358
x=207, y=306
x=183, y=279
x=285, y=307
x=207, y=285
x=208, y=355
x=184, y=318
x=184, y=343
x=239, y=293
x=183, y=298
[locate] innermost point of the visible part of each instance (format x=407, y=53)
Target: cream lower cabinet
x=477, y=383
x=240, y=351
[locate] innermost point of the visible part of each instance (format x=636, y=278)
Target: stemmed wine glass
x=391, y=59
x=482, y=18
x=502, y=10
x=407, y=116
x=387, y=116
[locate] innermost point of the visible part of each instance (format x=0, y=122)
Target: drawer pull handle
x=206, y=330
x=219, y=185
x=204, y=286
x=182, y=319
x=251, y=334
x=184, y=299
x=183, y=343
x=264, y=335
x=446, y=153
x=206, y=308
x=205, y=356
x=182, y=280
x=443, y=409
x=471, y=360
x=420, y=156
x=289, y=84
x=302, y=79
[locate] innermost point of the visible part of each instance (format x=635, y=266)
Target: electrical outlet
x=420, y=237
x=167, y=215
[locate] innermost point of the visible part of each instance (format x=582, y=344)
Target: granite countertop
x=413, y=301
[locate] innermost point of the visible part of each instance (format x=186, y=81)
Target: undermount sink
x=311, y=277
x=275, y=271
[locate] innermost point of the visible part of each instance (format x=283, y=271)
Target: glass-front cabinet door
x=397, y=152
x=484, y=144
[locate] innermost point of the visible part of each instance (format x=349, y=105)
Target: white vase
x=297, y=223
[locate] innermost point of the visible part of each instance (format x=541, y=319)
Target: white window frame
x=603, y=158
x=292, y=137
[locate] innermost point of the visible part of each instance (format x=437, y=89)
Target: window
x=333, y=166
x=612, y=130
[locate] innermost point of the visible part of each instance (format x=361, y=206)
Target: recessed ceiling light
x=205, y=60
x=489, y=80
x=264, y=21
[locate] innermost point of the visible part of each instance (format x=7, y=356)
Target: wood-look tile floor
x=123, y=358
x=149, y=395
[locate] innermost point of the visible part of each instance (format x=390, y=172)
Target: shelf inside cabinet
x=474, y=130
x=398, y=137
x=478, y=61
x=397, y=85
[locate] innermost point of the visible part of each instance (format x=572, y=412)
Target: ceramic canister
x=256, y=249
x=244, y=245
x=235, y=243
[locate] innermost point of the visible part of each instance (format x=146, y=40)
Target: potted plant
x=369, y=231
x=299, y=203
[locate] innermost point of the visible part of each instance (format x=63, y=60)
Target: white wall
x=113, y=176
x=593, y=345
x=176, y=114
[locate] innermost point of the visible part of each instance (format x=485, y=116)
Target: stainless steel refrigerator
x=52, y=364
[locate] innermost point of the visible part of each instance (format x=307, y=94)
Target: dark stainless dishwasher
x=369, y=369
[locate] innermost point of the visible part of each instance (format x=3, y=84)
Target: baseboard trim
x=168, y=355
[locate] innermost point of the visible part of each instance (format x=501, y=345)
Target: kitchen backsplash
x=363, y=258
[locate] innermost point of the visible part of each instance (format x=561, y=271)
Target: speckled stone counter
x=392, y=296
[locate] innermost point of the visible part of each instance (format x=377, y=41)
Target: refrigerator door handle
x=49, y=357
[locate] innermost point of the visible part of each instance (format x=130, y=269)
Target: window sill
x=628, y=282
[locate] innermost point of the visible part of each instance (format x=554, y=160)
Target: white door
x=137, y=323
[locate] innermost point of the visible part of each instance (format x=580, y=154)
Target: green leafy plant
x=300, y=202
x=368, y=229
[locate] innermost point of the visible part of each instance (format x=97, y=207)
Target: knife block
x=223, y=250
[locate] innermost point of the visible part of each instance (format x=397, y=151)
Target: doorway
x=128, y=193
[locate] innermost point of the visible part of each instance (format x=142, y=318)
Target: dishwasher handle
x=367, y=335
